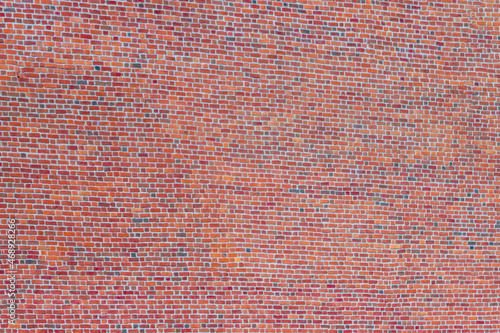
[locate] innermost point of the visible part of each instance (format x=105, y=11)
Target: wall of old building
x=250, y=166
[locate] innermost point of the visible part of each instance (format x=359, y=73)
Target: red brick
x=251, y=166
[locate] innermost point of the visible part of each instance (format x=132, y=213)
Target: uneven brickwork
x=251, y=166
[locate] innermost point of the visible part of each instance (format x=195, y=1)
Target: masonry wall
x=251, y=166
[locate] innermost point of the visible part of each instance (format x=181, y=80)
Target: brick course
x=251, y=166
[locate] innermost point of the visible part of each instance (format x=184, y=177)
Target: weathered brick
x=251, y=166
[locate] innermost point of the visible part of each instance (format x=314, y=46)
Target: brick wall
x=251, y=166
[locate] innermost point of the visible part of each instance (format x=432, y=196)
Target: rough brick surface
x=251, y=166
